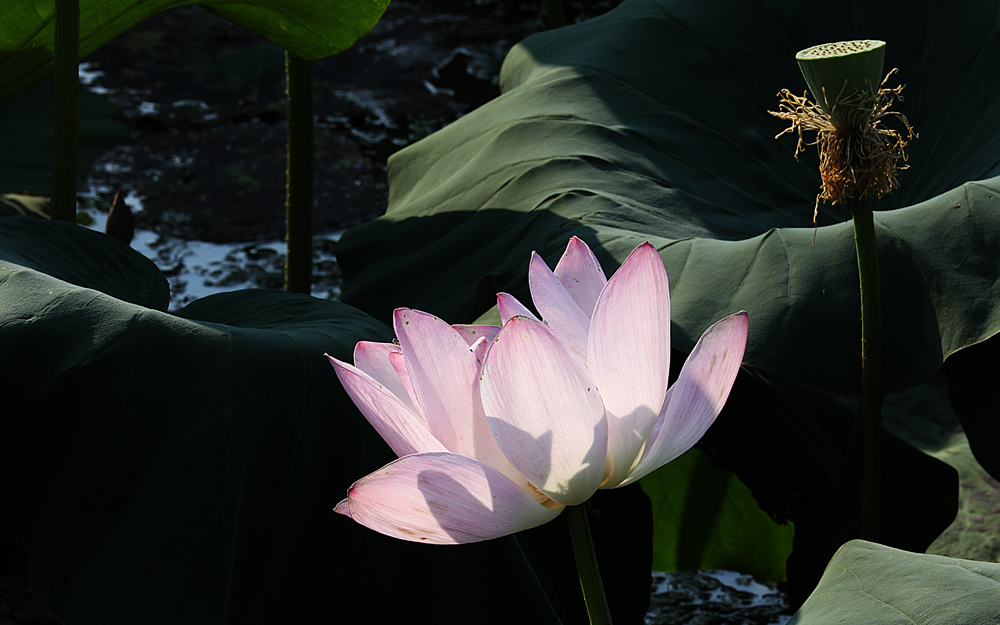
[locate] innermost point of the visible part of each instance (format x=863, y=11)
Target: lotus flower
x=499, y=429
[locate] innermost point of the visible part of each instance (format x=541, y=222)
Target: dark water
x=204, y=101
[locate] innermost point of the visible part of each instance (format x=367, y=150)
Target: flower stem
x=299, y=186
x=586, y=565
x=67, y=104
x=870, y=406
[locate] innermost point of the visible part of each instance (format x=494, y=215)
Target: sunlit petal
x=444, y=372
x=376, y=359
x=545, y=412
x=443, y=498
x=404, y=430
x=697, y=397
x=509, y=306
x=629, y=354
x=581, y=274
x=558, y=308
x=398, y=362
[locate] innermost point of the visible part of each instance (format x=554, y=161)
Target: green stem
x=299, y=186
x=870, y=407
x=67, y=105
x=586, y=565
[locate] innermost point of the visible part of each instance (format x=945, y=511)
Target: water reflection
x=716, y=598
x=198, y=268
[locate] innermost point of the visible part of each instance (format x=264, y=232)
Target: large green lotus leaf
x=972, y=376
x=183, y=468
x=869, y=583
x=83, y=258
x=791, y=445
x=310, y=28
x=651, y=122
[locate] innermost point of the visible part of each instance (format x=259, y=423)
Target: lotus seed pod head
x=835, y=72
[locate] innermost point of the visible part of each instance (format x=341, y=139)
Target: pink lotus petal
x=444, y=372
x=629, y=355
x=398, y=362
x=581, y=274
x=558, y=308
x=472, y=333
x=697, y=397
x=443, y=498
x=509, y=306
x=545, y=412
x=376, y=359
x=404, y=430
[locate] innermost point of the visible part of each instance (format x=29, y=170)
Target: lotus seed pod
x=836, y=72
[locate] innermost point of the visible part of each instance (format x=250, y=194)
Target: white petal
x=398, y=362
x=581, y=274
x=544, y=411
x=697, y=397
x=444, y=373
x=558, y=308
x=509, y=306
x=400, y=427
x=629, y=355
x=443, y=498
x=376, y=359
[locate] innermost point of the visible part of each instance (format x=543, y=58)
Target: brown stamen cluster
x=855, y=162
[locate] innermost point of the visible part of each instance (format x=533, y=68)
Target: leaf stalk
x=67, y=109
x=299, y=184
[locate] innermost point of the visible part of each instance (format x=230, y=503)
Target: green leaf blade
x=705, y=518
x=870, y=583
x=311, y=29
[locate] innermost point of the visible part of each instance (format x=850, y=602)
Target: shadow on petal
x=467, y=518
x=569, y=480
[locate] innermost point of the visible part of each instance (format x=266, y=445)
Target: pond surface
x=204, y=100
x=714, y=598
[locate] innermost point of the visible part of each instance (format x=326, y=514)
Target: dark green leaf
x=972, y=378
x=311, y=29
x=165, y=469
x=792, y=446
x=868, y=583
x=651, y=122
x=84, y=258
x=973, y=533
